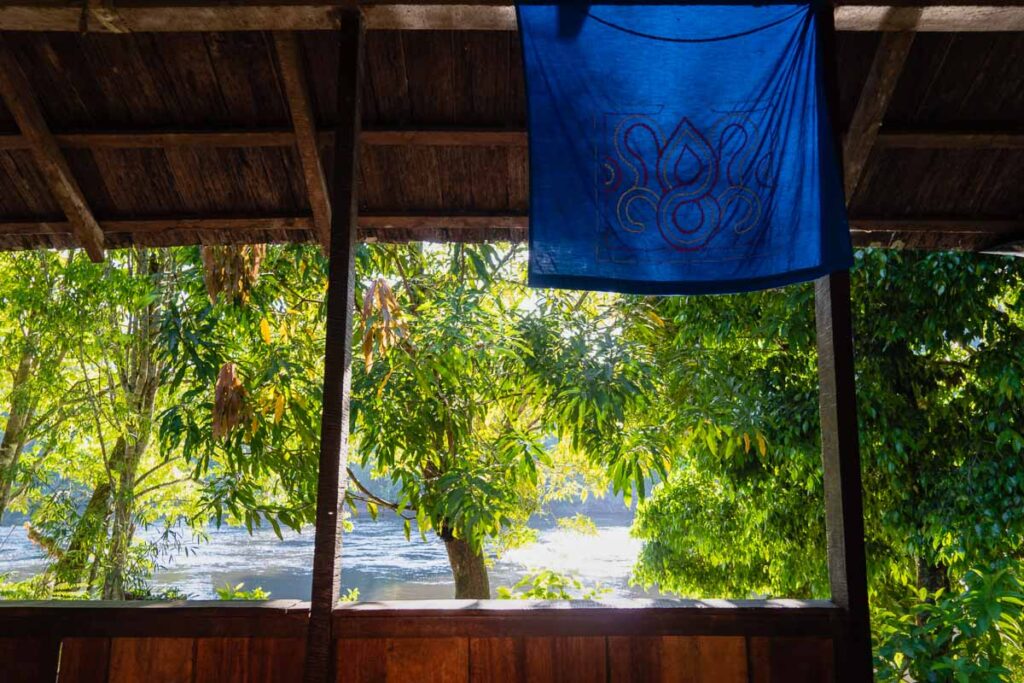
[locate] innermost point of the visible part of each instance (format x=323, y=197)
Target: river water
x=376, y=559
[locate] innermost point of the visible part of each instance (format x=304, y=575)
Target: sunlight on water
x=607, y=557
x=377, y=560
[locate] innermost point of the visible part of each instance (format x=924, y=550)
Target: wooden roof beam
x=293, y=74
x=21, y=102
x=886, y=67
x=967, y=137
x=304, y=15
x=848, y=17
x=240, y=138
x=509, y=226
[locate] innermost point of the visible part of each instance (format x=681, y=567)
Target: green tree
x=475, y=399
x=939, y=342
x=92, y=334
x=41, y=317
x=470, y=390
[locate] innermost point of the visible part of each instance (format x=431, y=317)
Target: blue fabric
x=679, y=149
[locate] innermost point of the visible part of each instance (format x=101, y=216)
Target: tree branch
x=370, y=496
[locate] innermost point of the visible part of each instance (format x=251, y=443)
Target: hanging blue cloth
x=679, y=149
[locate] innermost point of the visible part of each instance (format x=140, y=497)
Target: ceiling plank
x=934, y=19
x=307, y=15
x=935, y=233
x=293, y=74
x=886, y=67
x=23, y=106
x=240, y=138
x=950, y=139
x=966, y=137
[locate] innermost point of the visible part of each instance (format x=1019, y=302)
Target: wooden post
x=840, y=455
x=840, y=447
x=334, y=427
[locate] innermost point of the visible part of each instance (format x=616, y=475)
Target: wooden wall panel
x=230, y=644
x=151, y=660
x=359, y=660
x=84, y=660
x=272, y=660
x=222, y=660
x=566, y=660
x=30, y=660
x=678, y=659
x=783, y=660
x=248, y=660
x=399, y=660
x=429, y=660
x=497, y=660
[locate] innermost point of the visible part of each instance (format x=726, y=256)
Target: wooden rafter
x=140, y=139
x=950, y=139
x=936, y=18
x=966, y=137
x=952, y=233
x=302, y=15
x=886, y=67
x=393, y=137
x=293, y=75
x=21, y=102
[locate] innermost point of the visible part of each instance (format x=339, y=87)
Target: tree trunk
x=141, y=379
x=931, y=576
x=91, y=526
x=18, y=414
x=143, y=401
x=123, y=527
x=468, y=568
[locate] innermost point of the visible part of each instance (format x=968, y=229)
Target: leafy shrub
x=970, y=635
x=550, y=585
x=238, y=592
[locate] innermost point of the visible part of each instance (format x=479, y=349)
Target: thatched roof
x=191, y=122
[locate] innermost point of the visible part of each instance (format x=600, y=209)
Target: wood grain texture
x=959, y=234
x=840, y=446
x=253, y=138
x=886, y=68
x=480, y=619
x=84, y=660
x=678, y=659
x=334, y=422
x=151, y=660
x=24, y=107
x=840, y=454
x=361, y=660
x=430, y=660
x=275, y=659
x=497, y=660
x=248, y=660
x=786, y=660
x=222, y=660
x=32, y=660
x=409, y=15
x=296, y=86
x=566, y=660
x=968, y=138
x=187, y=102
x=397, y=660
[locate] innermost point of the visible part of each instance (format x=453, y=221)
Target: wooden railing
x=419, y=642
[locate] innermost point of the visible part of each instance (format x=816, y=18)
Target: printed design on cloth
x=665, y=192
